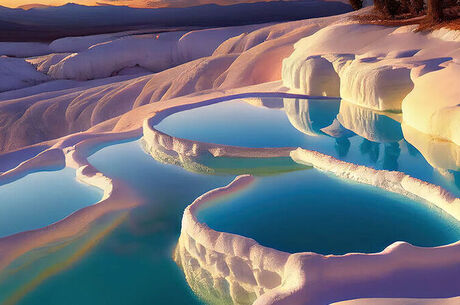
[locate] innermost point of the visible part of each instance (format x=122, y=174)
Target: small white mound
x=77, y=44
x=377, y=86
x=202, y=43
x=81, y=43
x=43, y=63
x=16, y=73
x=102, y=60
x=317, y=77
x=154, y=53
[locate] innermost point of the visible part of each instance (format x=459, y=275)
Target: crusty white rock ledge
x=280, y=278
x=393, y=181
x=188, y=147
x=237, y=269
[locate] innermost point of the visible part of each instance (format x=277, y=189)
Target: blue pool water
x=132, y=262
x=342, y=130
x=42, y=198
x=125, y=257
x=310, y=211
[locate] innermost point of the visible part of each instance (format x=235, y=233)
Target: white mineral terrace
x=71, y=151
x=224, y=265
x=396, y=70
x=221, y=265
x=252, y=272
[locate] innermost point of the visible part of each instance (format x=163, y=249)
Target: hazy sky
x=133, y=3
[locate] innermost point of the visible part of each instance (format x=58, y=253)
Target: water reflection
x=337, y=128
x=123, y=257
x=369, y=124
x=391, y=154
x=49, y=197
x=310, y=116
x=370, y=149
x=203, y=162
x=342, y=146
x=100, y=265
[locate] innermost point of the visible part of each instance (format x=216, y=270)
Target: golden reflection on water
x=58, y=267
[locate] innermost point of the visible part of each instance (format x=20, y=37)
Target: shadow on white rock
x=16, y=73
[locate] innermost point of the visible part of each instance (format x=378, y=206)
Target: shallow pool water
x=339, y=129
x=310, y=211
x=126, y=257
x=42, y=198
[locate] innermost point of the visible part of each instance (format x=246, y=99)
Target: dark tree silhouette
x=356, y=4
x=434, y=10
x=405, y=6
x=391, y=7
x=416, y=6
x=378, y=5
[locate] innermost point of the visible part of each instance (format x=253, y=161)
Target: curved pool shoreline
x=197, y=240
x=300, y=273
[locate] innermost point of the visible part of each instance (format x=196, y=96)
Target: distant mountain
x=33, y=5
x=72, y=17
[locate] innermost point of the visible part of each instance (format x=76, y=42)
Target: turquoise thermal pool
x=339, y=129
x=42, y=198
x=125, y=257
x=310, y=211
x=130, y=264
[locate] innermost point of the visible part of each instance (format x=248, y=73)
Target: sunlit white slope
x=378, y=67
x=153, y=52
x=433, y=107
